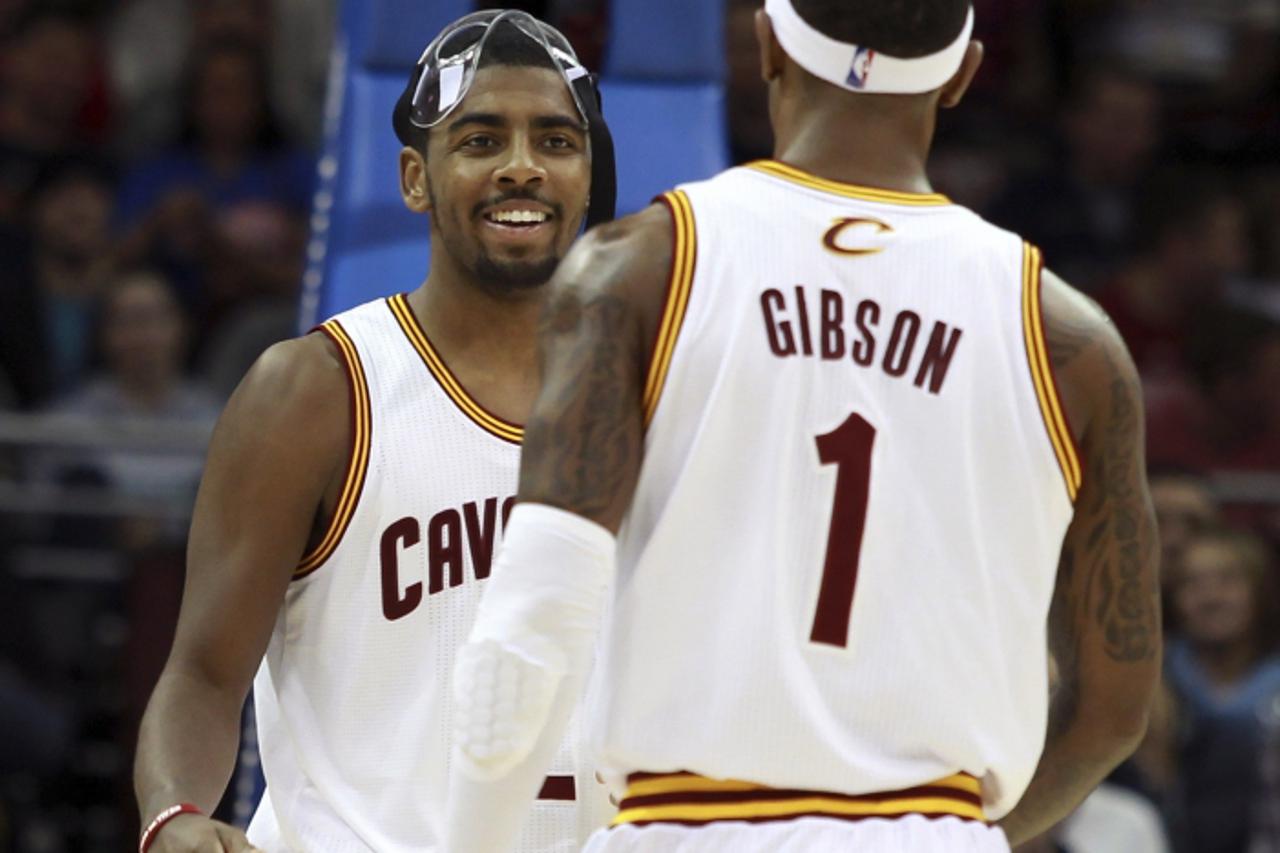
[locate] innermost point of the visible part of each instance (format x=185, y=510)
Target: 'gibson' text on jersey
x=833, y=329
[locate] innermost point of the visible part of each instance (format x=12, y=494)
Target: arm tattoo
x=583, y=441
x=1106, y=598
x=1126, y=612
x=1112, y=590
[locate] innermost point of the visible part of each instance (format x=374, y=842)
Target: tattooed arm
x=584, y=441
x=1104, y=623
x=533, y=636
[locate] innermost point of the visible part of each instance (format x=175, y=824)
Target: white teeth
x=518, y=216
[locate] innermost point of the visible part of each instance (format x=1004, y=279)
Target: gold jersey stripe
x=677, y=783
x=683, y=263
x=1051, y=410
x=357, y=467
x=817, y=805
x=690, y=798
x=683, y=784
x=797, y=176
x=505, y=430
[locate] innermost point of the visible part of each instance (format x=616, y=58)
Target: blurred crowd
x=156, y=172
x=155, y=177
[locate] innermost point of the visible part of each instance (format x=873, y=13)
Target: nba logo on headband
x=849, y=65
x=861, y=67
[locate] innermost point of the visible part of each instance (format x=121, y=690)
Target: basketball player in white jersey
x=359, y=481
x=862, y=456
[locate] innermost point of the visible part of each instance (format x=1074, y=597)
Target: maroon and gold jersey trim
x=804, y=179
x=1046, y=385
x=684, y=259
x=483, y=418
x=691, y=800
x=358, y=463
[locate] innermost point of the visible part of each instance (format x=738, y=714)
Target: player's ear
x=772, y=57
x=953, y=92
x=414, y=181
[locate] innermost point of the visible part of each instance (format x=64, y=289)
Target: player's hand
x=193, y=833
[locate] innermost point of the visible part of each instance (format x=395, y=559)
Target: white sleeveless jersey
x=352, y=695
x=837, y=569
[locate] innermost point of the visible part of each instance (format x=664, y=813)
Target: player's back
x=836, y=571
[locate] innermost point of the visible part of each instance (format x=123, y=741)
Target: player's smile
x=518, y=222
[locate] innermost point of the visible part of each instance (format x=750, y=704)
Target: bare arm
x=1104, y=621
x=275, y=454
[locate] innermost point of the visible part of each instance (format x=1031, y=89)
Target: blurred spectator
x=1016, y=74
x=1185, y=508
x=1079, y=207
x=52, y=97
x=10, y=12
x=223, y=212
x=1192, y=240
x=1234, y=355
x=1224, y=672
x=1218, y=63
x=143, y=339
x=1155, y=766
x=1266, y=814
x=150, y=41
x=54, y=272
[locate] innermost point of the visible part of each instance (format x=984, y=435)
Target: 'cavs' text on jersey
x=474, y=526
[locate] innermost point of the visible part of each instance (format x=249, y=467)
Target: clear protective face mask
x=449, y=63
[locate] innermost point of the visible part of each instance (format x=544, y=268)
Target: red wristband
x=158, y=822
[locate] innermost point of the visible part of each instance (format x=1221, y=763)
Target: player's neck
x=861, y=144
x=469, y=324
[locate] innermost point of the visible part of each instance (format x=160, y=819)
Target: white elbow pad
x=537, y=623
x=501, y=702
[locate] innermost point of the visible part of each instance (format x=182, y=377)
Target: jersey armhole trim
x=358, y=459
x=684, y=259
x=1042, y=376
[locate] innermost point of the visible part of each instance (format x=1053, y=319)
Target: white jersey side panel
x=352, y=695
x=837, y=569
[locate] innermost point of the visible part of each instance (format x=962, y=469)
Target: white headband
x=861, y=69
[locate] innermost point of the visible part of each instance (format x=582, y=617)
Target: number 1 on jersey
x=849, y=449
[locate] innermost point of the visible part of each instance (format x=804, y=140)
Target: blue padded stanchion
x=668, y=41
x=665, y=135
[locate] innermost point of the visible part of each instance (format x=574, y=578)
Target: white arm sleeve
x=517, y=680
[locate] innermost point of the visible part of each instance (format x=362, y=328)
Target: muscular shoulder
x=625, y=256
x=1089, y=357
x=625, y=263
x=295, y=391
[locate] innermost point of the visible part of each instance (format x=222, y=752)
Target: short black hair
x=507, y=45
x=902, y=28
